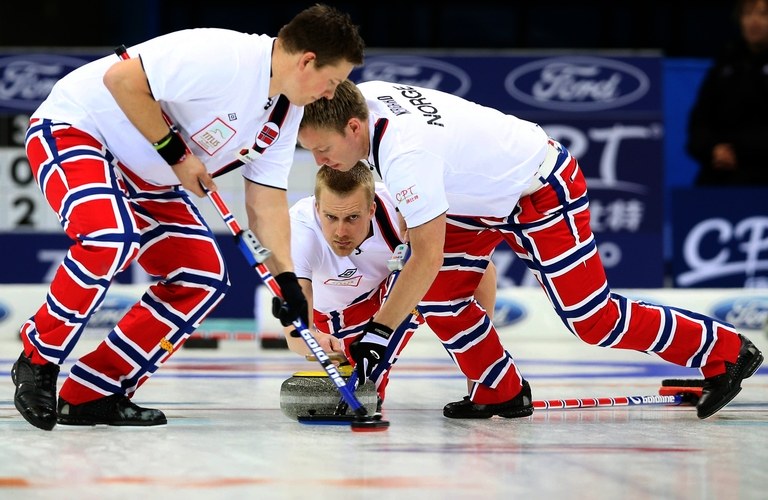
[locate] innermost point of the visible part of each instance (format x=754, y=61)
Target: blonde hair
x=334, y=114
x=345, y=183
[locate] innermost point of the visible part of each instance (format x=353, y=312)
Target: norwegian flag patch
x=269, y=134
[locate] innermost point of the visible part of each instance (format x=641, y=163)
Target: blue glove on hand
x=369, y=348
x=294, y=304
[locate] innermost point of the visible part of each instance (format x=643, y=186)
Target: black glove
x=294, y=304
x=368, y=349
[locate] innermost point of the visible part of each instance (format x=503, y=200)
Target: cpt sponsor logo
x=406, y=195
x=26, y=80
x=717, y=247
x=609, y=140
x=577, y=83
x=419, y=71
x=110, y=312
x=743, y=312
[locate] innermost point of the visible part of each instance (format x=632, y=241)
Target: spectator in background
x=728, y=125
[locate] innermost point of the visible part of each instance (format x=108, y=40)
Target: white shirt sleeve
x=306, y=248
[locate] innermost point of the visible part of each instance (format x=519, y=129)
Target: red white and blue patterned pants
x=549, y=229
x=114, y=218
x=348, y=323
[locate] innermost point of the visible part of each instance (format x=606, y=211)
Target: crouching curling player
x=341, y=241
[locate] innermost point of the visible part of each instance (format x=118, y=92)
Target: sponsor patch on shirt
x=247, y=155
x=213, y=136
x=269, y=134
x=354, y=281
x=407, y=195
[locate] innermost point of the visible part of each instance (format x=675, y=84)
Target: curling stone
x=313, y=393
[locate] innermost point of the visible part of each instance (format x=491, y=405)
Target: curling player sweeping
x=342, y=242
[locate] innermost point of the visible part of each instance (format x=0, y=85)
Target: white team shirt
x=213, y=83
x=338, y=282
x=441, y=153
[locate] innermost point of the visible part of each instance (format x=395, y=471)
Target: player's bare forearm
x=417, y=274
x=192, y=173
x=268, y=218
x=127, y=83
x=329, y=344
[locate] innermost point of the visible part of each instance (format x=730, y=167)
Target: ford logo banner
x=507, y=312
x=743, y=312
x=419, y=71
x=3, y=312
x=577, y=83
x=110, y=311
x=27, y=79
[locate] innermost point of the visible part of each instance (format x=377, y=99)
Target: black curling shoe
x=519, y=406
x=111, y=410
x=35, y=395
x=719, y=390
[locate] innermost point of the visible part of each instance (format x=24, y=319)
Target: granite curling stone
x=313, y=393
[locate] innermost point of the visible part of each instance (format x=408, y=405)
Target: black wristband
x=381, y=330
x=290, y=288
x=171, y=148
x=287, y=279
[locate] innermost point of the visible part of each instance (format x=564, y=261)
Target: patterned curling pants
x=549, y=230
x=114, y=218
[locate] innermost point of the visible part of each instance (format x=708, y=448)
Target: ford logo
x=577, y=83
x=110, y=311
x=507, y=312
x=3, y=311
x=26, y=80
x=418, y=71
x=743, y=312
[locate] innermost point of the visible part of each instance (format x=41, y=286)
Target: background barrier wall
x=521, y=312
x=622, y=114
x=525, y=312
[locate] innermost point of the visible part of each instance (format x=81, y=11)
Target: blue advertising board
x=26, y=79
x=606, y=110
x=720, y=237
x=513, y=83
x=33, y=257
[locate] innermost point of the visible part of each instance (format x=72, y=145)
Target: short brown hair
x=345, y=183
x=741, y=6
x=327, y=32
x=334, y=114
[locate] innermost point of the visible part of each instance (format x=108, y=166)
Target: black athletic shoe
x=519, y=406
x=111, y=410
x=719, y=390
x=35, y=395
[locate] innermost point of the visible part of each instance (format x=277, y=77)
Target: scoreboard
x=22, y=207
